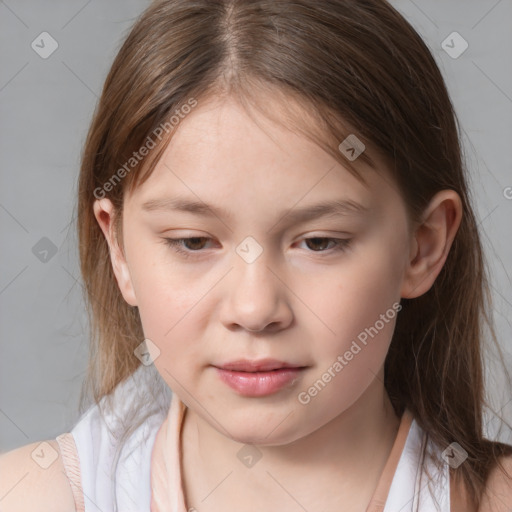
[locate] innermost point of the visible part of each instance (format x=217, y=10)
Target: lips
x=261, y=377
x=262, y=365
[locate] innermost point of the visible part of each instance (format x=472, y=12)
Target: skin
x=300, y=302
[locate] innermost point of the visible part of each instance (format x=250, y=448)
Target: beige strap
x=72, y=466
x=459, y=499
x=380, y=496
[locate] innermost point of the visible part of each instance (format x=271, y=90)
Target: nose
x=257, y=297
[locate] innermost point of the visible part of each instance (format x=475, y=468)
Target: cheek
x=165, y=293
x=172, y=320
x=377, y=269
x=358, y=301
x=171, y=314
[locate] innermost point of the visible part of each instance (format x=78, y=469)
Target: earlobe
x=431, y=243
x=104, y=213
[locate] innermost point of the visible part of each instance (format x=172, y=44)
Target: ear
x=431, y=243
x=104, y=213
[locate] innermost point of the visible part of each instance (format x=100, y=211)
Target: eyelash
x=342, y=244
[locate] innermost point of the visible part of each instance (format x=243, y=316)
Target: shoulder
x=33, y=477
x=498, y=490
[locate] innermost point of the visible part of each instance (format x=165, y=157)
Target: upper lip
x=261, y=365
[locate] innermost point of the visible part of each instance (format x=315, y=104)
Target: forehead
x=220, y=152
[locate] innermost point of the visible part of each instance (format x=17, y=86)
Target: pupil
x=316, y=239
x=195, y=240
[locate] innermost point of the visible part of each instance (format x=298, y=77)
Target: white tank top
x=88, y=456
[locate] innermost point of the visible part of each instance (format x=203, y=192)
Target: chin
x=262, y=433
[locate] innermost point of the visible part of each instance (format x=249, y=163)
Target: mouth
x=259, y=378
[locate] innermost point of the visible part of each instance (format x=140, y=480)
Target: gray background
x=45, y=109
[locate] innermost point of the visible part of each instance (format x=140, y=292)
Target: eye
x=340, y=244
x=197, y=243
x=176, y=244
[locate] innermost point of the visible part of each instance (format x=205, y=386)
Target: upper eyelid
x=338, y=235
x=176, y=241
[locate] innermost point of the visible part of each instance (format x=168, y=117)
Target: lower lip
x=259, y=383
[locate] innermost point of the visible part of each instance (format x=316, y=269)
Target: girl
x=275, y=224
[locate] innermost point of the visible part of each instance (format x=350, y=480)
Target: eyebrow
x=333, y=208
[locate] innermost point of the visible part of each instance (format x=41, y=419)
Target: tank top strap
x=459, y=496
x=379, y=498
x=71, y=462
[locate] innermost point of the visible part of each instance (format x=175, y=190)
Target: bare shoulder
x=33, y=477
x=498, y=492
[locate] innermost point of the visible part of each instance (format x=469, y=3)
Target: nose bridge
x=252, y=273
x=256, y=297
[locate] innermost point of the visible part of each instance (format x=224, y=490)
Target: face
x=258, y=281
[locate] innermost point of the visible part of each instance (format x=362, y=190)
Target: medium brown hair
x=354, y=67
